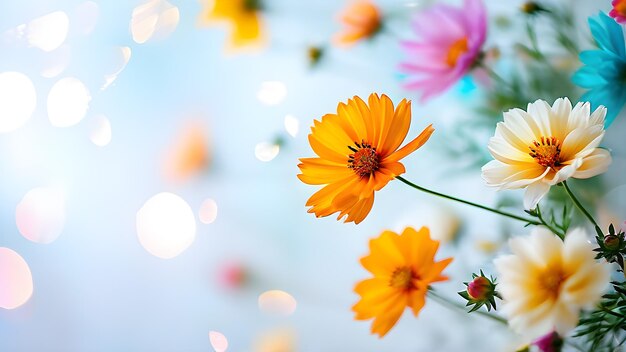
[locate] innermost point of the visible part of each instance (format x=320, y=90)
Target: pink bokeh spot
x=16, y=281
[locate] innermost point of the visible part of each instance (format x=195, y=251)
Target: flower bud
x=551, y=342
x=479, y=288
x=612, y=242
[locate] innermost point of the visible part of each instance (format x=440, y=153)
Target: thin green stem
x=546, y=224
x=457, y=306
x=503, y=213
x=579, y=205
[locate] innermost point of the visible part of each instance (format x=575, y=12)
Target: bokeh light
x=101, y=131
x=219, y=342
x=292, y=125
x=265, y=151
x=40, y=215
x=166, y=225
x=272, y=93
x=47, y=32
x=18, y=100
x=85, y=17
x=277, y=302
x=121, y=60
x=68, y=102
x=55, y=62
x=208, y=211
x=155, y=19
x=16, y=279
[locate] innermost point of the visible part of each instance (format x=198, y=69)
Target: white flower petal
x=561, y=109
x=534, y=193
x=565, y=172
x=540, y=113
x=597, y=118
x=594, y=164
x=581, y=141
x=579, y=116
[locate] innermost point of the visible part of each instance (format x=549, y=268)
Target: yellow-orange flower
x=403, y=267
x=358, y=155
x=361, y=20
x=243, y=16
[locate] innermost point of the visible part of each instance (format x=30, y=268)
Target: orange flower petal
x=413, y=145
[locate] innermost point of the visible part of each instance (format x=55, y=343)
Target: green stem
x=503, y=213
x=457, y=306
x=579, y=205
x=546, y=224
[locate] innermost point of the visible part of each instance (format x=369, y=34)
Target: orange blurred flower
x=243, y=18
x=403, y=267
x=189, y=154
x=358, y=155
x=361, y=19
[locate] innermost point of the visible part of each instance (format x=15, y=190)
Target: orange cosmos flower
x=242, y=15
x=403, y=267
x=361, y=19
x=358, y=154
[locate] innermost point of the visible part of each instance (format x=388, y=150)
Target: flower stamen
x=457, y=49
x=403, y=278
x=547, y=152
x=364, y=160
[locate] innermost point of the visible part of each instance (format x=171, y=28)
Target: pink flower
x=619, y=11
x=449, y=43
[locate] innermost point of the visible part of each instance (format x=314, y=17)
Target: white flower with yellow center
x=546, y=145
x=546, y=282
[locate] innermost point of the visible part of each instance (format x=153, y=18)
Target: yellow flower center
x=546, y=152
x=364, y=161
x=457, y=49
x=551, y=280
x=403, y=278
x=620, y=7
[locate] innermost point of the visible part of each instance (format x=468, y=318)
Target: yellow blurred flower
x=361, y=19
x=358, y=154
x=546, y=145
x=243, y=17
x=546, y=282
x=403, y=267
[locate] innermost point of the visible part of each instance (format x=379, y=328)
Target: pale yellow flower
x=546, y=145
x=546, y=282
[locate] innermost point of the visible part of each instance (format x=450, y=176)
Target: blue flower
x=604, y=73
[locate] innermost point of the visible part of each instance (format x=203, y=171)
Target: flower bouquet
x=562, y=284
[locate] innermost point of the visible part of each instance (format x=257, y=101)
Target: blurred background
x=149, y=199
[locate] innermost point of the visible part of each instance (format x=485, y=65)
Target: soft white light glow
x=16, y=279
x=266, y=151
x=218, y=341
x=17, y=100
x=85, y=17
x=292, y=125
x=166, y=225
x=122, y=58
x=208, y=211
x=54, y=63
x=154, y=19
x=40, y=216
x=47, y=32
x=277, y=302
x=272, y=93
x=68, y=102
x=101, y=131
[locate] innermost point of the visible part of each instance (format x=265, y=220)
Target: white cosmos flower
x=546, y=145
x=546, y=282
